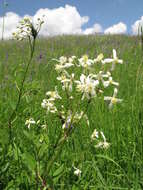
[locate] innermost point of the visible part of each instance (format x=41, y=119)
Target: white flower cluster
x=30, y=122
x=87, y=85
x=48, y=103
x=101, y=144
x=77, y=171
x=27, y=29
x=81, y=81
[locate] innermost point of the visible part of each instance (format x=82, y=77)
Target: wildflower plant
x=79, y=82
x=25, y=30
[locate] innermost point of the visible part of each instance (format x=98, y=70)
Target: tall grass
x=119, y=167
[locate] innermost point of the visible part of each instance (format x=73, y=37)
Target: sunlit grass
x=119, y=167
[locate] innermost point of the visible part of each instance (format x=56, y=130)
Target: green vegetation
x=27, y=153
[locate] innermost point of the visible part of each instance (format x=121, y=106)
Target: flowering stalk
x=22, y=84
x=25, y=30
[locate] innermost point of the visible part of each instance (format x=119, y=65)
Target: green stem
x=60, y=144
x=12, y=116
x=56, y=153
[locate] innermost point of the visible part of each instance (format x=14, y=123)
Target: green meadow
x=23, y=155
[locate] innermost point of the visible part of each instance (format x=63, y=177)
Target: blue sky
x=104, y=12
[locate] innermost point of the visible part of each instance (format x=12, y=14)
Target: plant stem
x=3, y=22
x=32, y=49
x=60, y=144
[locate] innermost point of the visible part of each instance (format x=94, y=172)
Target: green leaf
x=58, y=171
x=4, y=136
x=29, y=161
x=42, y=151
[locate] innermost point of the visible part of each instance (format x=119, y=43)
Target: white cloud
x=136, y=26
x=119, y=28
x=97, y=28
x=11, y=21
x=62, y=20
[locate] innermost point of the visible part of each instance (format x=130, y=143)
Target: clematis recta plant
x=79, y=83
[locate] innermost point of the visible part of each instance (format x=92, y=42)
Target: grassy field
x=119, y=167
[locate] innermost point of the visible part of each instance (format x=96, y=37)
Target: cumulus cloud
x=119, y=28
x=62, y=20
x=11, y=21
x=97, y=28
x=136, y=27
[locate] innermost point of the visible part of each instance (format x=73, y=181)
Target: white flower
x=63, y=59
x=113, y=100
x=87, y=86
x=49, y=105
x=64, y=63
x=78, y=116
x=94, y=135
x=53, y=95
x=71, y=81
x=71, y=119
x=27, y=29
x=71, y=59
x=101, y=75
x=114, y=61
x=110, y=81
x=63, y=78
x=103, y=144
x=59, y=67
x=43, y=126
x=66, y=80
x=29, y=122
x=99, y=58
x=77, y=172
x=85, y=61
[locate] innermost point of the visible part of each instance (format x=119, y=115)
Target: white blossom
x=85, y=62
x=103, y=144
x=101, y=75
x=114, y=60
x=77, y=172
x=71, y=59
x=27, y=29
x=87, y=86
x=63, y=63
x=53, y=95
x=110, y=81
x=99, y=58
x=113, y=100
x=49, y=106
x=29, y=122
x=94, y=135
x=66, y=80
